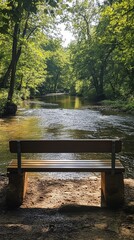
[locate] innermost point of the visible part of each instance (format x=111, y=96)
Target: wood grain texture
x=65, y=166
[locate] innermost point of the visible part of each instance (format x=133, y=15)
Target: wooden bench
x=112, y=184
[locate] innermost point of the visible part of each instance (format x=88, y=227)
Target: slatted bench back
x=66, y=146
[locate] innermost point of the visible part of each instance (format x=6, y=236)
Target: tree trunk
x=11, y=108
x=20, y=85
x=56, y=82
x=6, y=76
x=101, y=95
x=14, y=63
x=8, y=72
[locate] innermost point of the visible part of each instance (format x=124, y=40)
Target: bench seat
x=28, y=165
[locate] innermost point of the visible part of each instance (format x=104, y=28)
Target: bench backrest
x=66, y=146
x=112, y=146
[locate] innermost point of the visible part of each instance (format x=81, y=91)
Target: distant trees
x=57, y=68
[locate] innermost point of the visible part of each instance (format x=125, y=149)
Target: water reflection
x=59, y=101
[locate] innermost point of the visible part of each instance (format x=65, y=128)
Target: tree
x=90, y=56
x=20, y=20
x=120, y=28
x=103, y=53
x=31, y=67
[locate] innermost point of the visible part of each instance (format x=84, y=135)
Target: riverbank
x=56, y=209
x=117, y=106
x=105, y=109
x=105, y=106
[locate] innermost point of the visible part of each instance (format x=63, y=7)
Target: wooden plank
x=65, y=169
x=71, y=166
x=29, y=161
x=66, y=146
x=61, y=161
x=63, y=164
x=41, y=163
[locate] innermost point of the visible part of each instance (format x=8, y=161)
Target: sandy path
x=67, y=209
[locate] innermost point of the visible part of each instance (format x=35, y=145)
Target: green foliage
x=98, y=64
x=57, y=68
x=119, y=105
x=82, y=88
x=79, y=87
x=24, y=61
x=120, y=29
x=104, y=51
x=3, y=100
x=31, y=68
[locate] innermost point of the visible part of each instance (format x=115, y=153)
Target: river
x=66, y=117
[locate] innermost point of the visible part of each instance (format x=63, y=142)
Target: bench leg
x=112, y=189
x=16, y=189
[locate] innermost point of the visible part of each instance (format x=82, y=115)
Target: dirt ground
x=66, y=209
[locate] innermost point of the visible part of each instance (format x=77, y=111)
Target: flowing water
x=65, y=117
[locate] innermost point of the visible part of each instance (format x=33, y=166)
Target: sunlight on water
x=63, y=117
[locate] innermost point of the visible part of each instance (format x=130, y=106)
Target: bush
x=3, y=101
